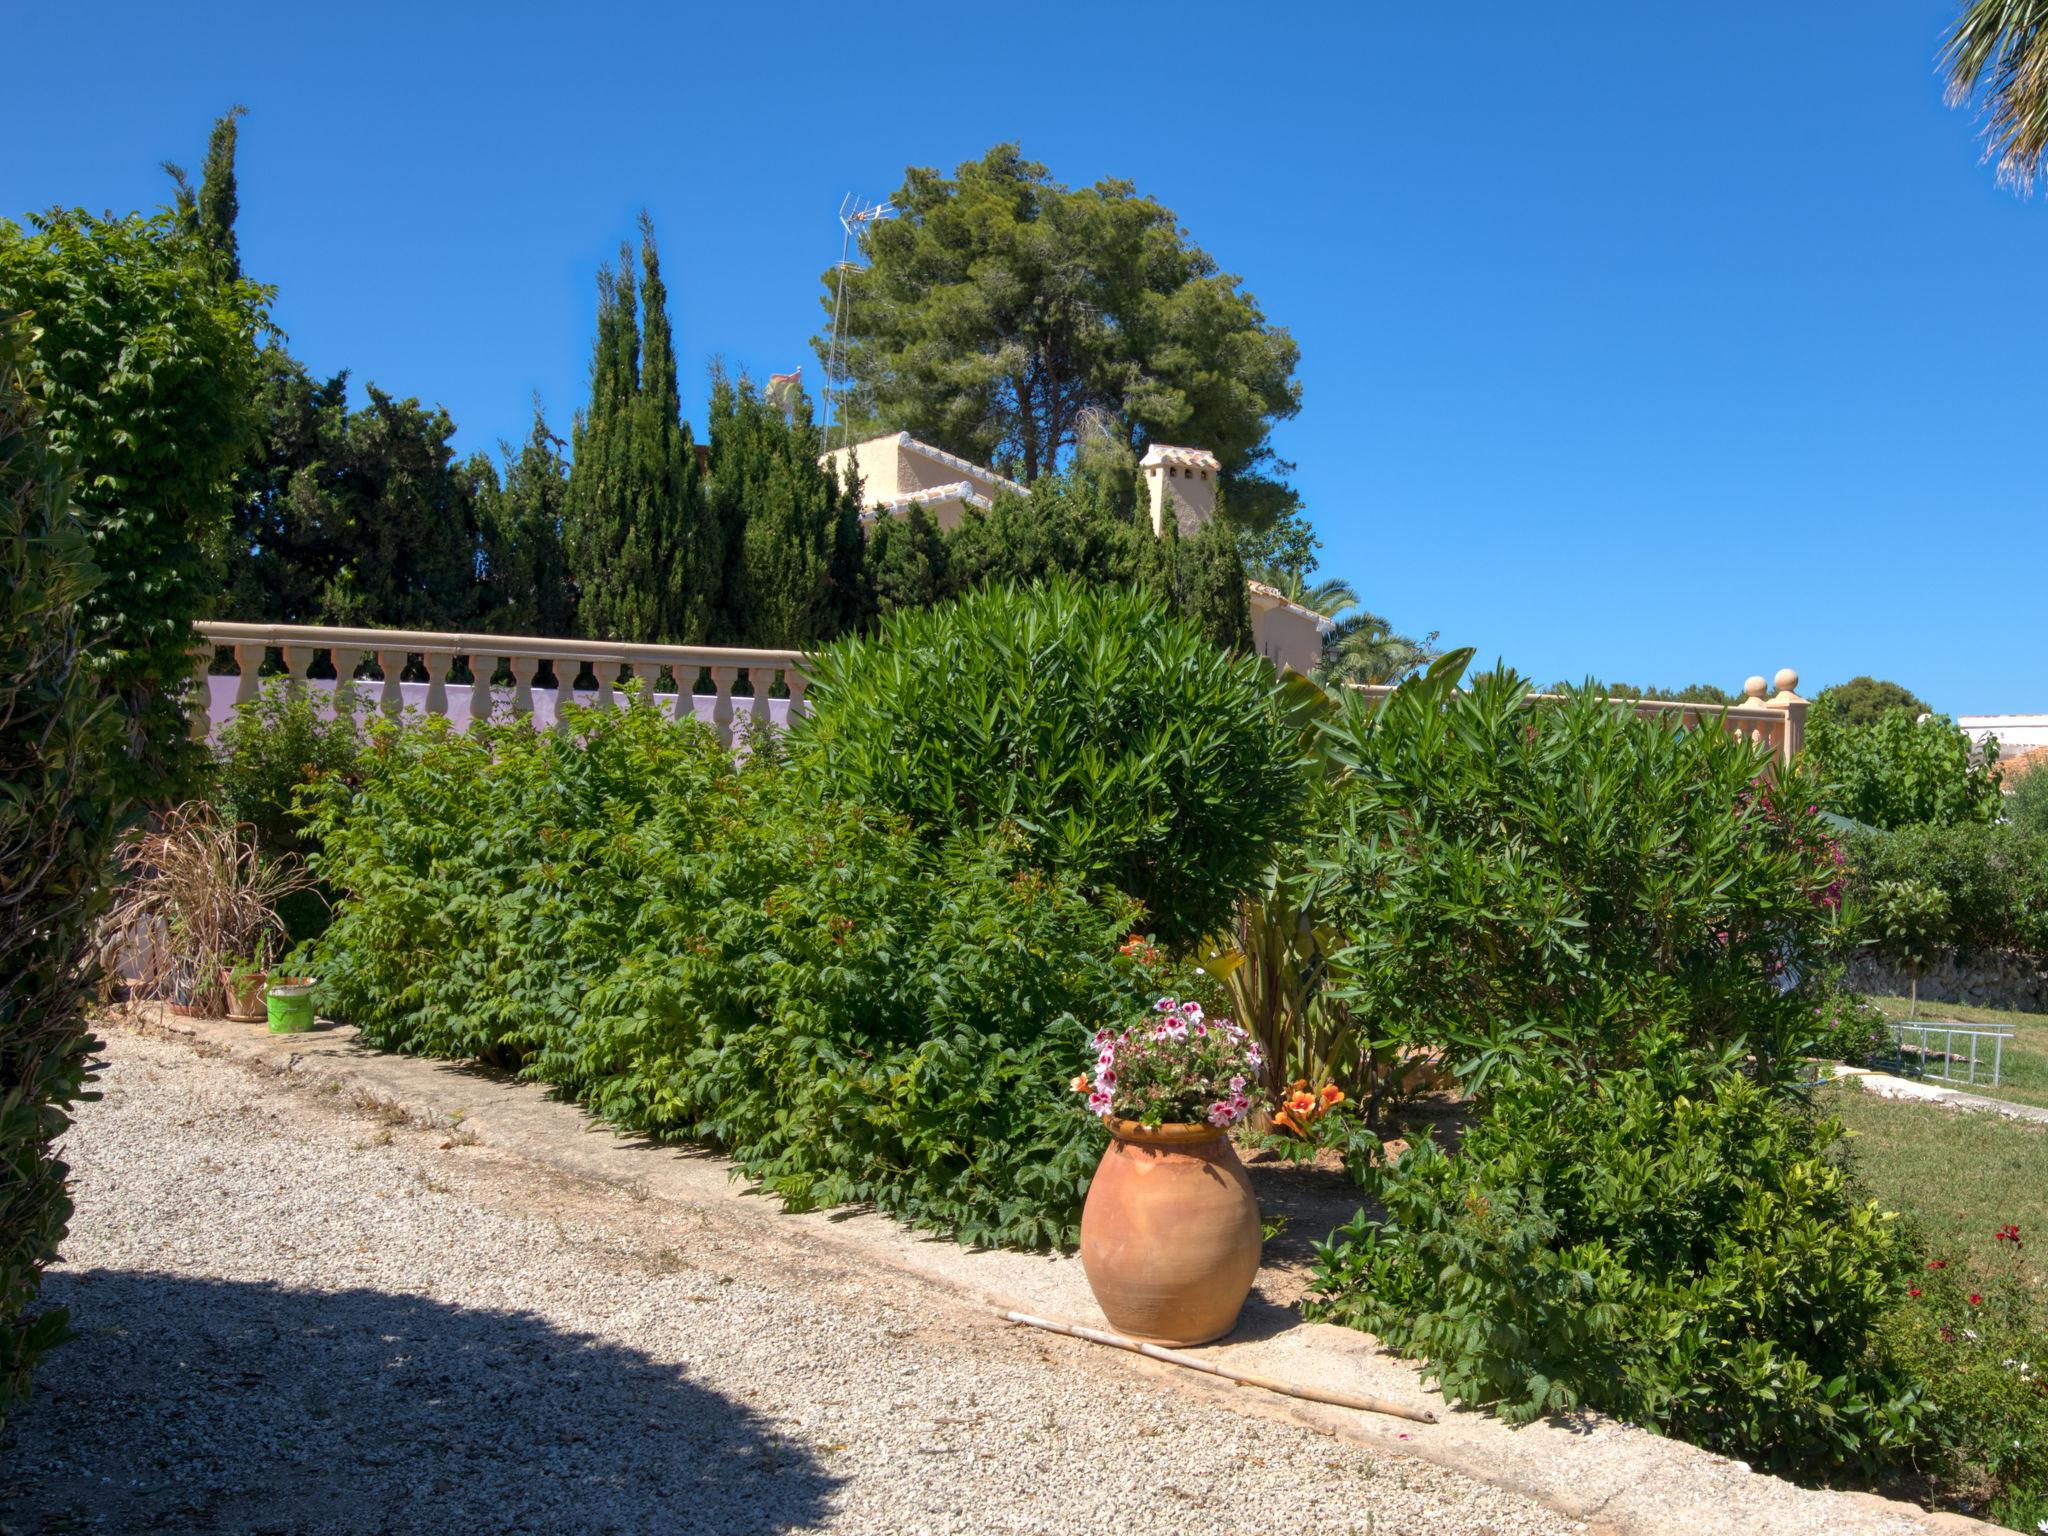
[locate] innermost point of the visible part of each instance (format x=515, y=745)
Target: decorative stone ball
x=1787, y=680
x=1754, y=688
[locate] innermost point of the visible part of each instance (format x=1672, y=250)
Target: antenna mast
x=854, y=217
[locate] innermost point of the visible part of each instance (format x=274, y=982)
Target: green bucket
x=291, y=1005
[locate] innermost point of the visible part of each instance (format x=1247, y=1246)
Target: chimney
x=1183, y=479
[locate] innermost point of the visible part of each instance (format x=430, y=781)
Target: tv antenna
x=855, y=216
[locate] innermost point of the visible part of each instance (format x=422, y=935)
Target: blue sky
x=1666, y=344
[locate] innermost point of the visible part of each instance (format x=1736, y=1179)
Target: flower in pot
x=1170, y=1230
x=243, y=981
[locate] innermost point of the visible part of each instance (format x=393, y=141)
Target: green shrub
x=1674, y=1246
x=146, y=364
x=1898, y=770
x=1993, y=878
x=2026, y=805
x=1126, y=750
x=1977, y=1334
x=59, y=815
x=275, y=746
x=700, y=950
x=1552, y=880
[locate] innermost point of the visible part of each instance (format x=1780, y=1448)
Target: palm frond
x=1998, y=56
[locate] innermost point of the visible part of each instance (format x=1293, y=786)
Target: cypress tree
x=526, y=586
x=907, y=562
x=218, y=205
x=682, y=551
x=795, y=573
x=641, y=552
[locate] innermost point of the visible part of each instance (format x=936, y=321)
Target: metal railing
x=1948, y=1064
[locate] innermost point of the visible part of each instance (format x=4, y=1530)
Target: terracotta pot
x=246, y=1006
x=1170, y=1233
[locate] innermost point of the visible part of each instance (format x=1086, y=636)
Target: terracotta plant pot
x=1170, y=1233
x=245, y=1006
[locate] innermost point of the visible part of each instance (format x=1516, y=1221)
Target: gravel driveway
x=297, y=1317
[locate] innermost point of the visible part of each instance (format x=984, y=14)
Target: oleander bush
x=1675, y=1244
x=1548, y=881
x=59, y=815
x=699, y=948
x=1124, y=749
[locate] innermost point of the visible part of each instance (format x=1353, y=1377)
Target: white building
x=898, y=472
x=2014, y=732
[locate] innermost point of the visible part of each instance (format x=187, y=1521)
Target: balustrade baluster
x=798, y=686
x=565, y=689
x=722, y=679
x=437, y=664
x=297, y=658
x=390, y=695
x=480, y=699
x=604, y=672
x=762, y=680
x=200, y=707
x=346, y=687
x=523, y=669
x=248, y=663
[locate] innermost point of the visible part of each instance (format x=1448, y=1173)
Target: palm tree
x=1328, y=597
x=1999, y=51
x=1363, y=648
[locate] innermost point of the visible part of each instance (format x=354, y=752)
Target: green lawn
x=2024, y=1078
x=1959, y=1175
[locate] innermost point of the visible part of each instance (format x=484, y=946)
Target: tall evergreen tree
x=209, y=214
x=526, y=586
x=219, y=206
x=906, y=565
x=795, y=575
x=412, y=520
x=643, y=555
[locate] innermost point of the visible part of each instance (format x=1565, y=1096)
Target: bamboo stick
x=1211, y=1368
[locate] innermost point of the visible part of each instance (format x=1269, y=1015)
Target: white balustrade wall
x=389, y=655
x=1774, y=721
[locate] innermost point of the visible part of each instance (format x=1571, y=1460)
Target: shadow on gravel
x=192, y=1405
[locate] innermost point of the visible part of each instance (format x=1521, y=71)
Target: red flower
x=1976, y=1300
x=1913, y=1291
x=1948, y=1336
x=1937, y=1263
x=2009, y=1234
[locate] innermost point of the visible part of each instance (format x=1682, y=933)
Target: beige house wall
x=1188, y=491
x=1284, y=633
x=897, y=465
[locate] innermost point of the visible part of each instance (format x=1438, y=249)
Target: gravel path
x=295, y=1317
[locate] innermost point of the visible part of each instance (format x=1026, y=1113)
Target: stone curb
x=1888, y=1086
x=1616, y=1478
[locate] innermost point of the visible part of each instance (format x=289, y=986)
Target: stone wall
x=1988, y=981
